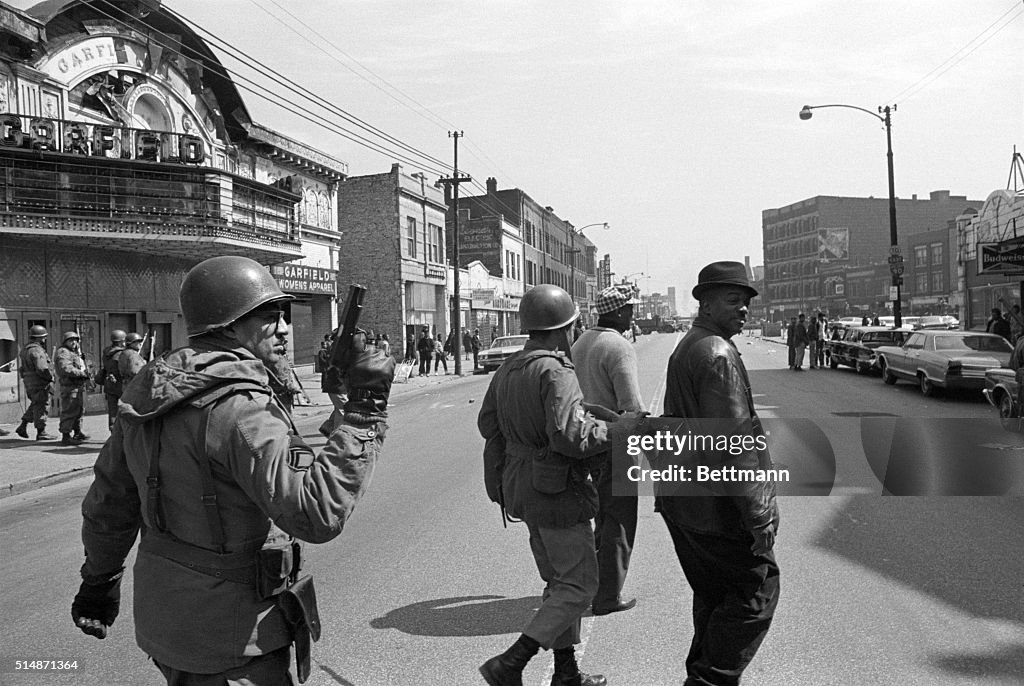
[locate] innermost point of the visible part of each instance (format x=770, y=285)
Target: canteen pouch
x=276, y=568
x=550, y=475
x=298, y=603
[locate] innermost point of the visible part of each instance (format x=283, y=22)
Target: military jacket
x=112, y=382
x=35, y=370
x=269, y=485
x=537, y=436
x=71, y=368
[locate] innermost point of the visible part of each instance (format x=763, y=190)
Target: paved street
x=425, y=583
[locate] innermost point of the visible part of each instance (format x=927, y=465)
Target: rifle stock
x=341, y=350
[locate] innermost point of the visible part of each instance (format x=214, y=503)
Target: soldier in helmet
x=37, y=375
x=207, y=464
x=130, y=362
x=537, y=437
x=72, y=374
x=112, y=382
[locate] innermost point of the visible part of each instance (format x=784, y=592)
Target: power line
x=956, y=57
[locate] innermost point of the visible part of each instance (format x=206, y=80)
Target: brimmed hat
x=614, y=297
x=722, y=274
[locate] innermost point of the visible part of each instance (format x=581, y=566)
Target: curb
x=36, y=482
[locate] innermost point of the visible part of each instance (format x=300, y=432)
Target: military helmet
x=221, y=290
x=38, y=331
x=70, y=336
x=117, y=336
x=132, y=338
x=546, y=307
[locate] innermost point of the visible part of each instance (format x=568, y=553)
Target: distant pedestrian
x=820, y=327
x=475, y=343
x=467, y=344
x=36, y=371
x=72, y=374
x=800, y=341
x=384, y=345
x=998, y=325
x=864, y=321
x=875, y=321
x=425, y=348
x=440, y=356
x=790, y=342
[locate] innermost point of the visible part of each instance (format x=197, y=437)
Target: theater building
x=127, y=156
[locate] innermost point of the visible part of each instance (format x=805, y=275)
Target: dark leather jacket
x=706, y=379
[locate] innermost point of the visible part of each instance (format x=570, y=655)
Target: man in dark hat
x=724, y=539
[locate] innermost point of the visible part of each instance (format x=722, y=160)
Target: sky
x=674, y=121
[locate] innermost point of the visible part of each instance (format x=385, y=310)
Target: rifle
x=341, y=349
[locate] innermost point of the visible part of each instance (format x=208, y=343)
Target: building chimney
x=492, y=185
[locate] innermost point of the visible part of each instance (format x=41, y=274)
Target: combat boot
x=507, y=669
x=22, y=430
x=41, y=435
x=80, y=436
x=567, y=673
x=68, y=439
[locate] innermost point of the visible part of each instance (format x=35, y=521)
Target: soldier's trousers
x=111, y=408
x=568, y=564
x=734, y=597
x=72, y=406
x=38, y=407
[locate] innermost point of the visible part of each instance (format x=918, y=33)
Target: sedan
x=501, y=349
x=856, y=347
x=1001, y=390
x=938, y=322
x=944, y=359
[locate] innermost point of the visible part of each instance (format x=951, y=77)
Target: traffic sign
x=895, y=259
x=894, y=250
x=896, y=268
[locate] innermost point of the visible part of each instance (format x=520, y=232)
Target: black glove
x=97, y=603
x=368, y=381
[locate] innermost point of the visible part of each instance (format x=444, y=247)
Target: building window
x=937, y=256
x=938, y=284
x=921, y=256
x=434, y=243
x=410, y=236
x=921, y=284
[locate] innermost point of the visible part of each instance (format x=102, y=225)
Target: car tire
x=888, y=378
x=1007, y=416
x=927, y=387
x=862, y=368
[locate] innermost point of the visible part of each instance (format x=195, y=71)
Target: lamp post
x=895, y=258
x=573, y=251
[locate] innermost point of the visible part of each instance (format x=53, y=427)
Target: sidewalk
x=29, y=464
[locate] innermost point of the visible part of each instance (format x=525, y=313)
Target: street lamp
x=895, y=259
x=573, y=251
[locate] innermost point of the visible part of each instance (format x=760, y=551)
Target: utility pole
x=455, y=180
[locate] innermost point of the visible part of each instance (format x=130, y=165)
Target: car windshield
x=509, y=341
x=989, y=344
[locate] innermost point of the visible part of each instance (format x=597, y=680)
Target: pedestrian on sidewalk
x=207, y=469
x=109, y=376
x=791, y=342
x=606, y=367
x=800, y=341
x=537, y=438
x=36, y=373
x=384, y=345
x=72, y=375
x=723, y=540
x=475, y=343
x=425, y=348
x=440, y=356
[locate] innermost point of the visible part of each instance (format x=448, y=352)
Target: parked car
x=500, y=350
x=846, y=322
x=1001, y=390
x=938, y=322
x=944, y=359
x=856, y=348
x=906, y=321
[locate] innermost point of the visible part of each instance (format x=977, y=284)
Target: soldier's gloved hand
x=97, y=603
x=369, y=380
x=764, y=539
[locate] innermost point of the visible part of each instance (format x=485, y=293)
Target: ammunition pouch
x=276, y=569
x=298, y=604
